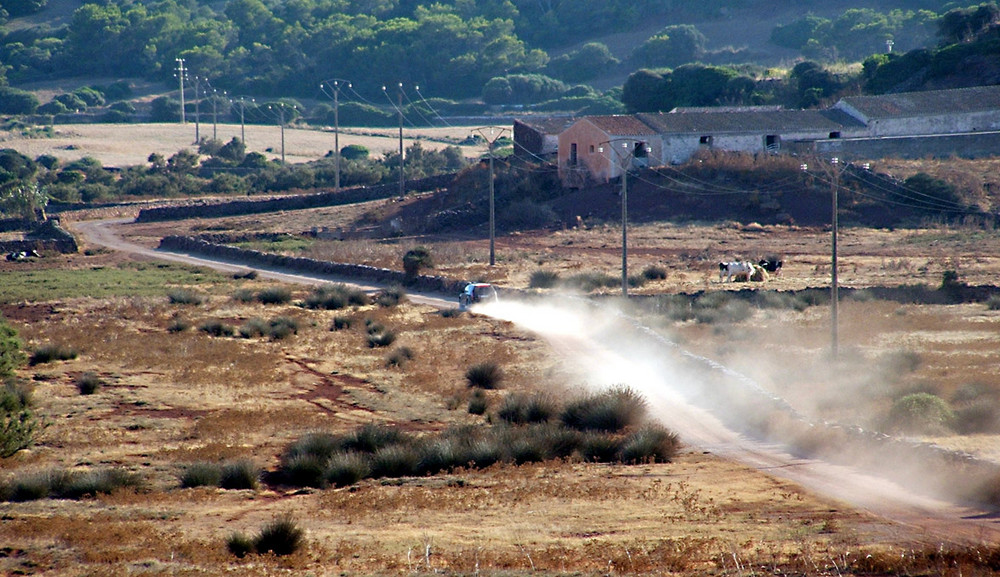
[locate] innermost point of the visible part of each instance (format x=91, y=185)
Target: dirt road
x=607, y=350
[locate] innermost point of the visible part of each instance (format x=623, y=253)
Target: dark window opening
x=705, y=141
x=835, y=134
x=640, y=150
x=572, y=154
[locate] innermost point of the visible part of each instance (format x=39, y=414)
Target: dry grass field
x=122, y=145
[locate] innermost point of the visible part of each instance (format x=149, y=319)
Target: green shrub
x=240, y=544
x=415, y=259
x=282, y=327
x=238, y=475
x=35, y=486
x=306, y=470
x=11, y=355
x=382, y=338
x=485, y=375
x=347, y=469
x=182, y=296
x=18, y=423
x=217, y=328
x=601, y=448
x=255, y=327
x=249, y=275
x=335, y=296
x=340, y=323
x=88, y=383
x=98, y=482
x=591, y=281
x=993, y=303
x=608, y=411
x=391, y=296
x=543, y=279
x=244, y=295
x=201, y=475
x=395, y=461
x=274, y=296
x=452, y=313
x=981, y=417
x=321, y=445
x=178, y=325
x=281, y=537
x=399, y=357
x=920, y=413
x=654, y=272
x=650, y=444
x=478, y=402
x=519, y=409
x=50, y=353
x=372, y=437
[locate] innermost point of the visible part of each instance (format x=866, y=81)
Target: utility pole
x=834, y=288
x=215, y=117
x=180, y=76
x=402, y=180
x=197, y=113
x=491, y=140
x=625, y=157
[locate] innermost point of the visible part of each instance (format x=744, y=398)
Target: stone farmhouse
x=963, y=122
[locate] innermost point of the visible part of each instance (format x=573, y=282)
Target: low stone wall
x=45, y=236
x=423, y=283
x=297, y=202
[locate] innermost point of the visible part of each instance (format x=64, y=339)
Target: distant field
x=131, y=144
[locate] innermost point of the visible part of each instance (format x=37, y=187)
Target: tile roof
x=749, y=120
x=622, y=125
x=907, y=104
x=546, y=124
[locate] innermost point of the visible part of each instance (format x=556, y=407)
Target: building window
x=772, y=143
x=592, y=149
x=835, y=134
x=572, y=154
x=640, y=150
x=705, y=141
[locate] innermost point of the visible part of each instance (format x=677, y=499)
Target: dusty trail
x=607, y=351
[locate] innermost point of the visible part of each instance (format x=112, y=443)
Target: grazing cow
x=17, y=256
x=735, y=270
x=771, y=265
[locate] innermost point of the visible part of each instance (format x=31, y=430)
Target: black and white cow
x=771, y=265
x=735, y=270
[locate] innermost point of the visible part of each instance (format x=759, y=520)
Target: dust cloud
x=719, y=410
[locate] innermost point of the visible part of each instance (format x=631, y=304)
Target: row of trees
x=452, y=47
x=216, y=168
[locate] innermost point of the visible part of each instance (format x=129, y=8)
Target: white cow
x=736, y=269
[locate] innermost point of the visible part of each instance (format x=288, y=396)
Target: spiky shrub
x=282, y=327
x=371, y=437
x=242, y=474
x=306, y=471
x=51, y=353
x=920, y=413
x=485, y=375
x=18, y=423
x=274, y=296
x=88, y=383
x=240, y=544
x=600, y=447
x=654, y=272
x=452, y=313
x=340, y=323
x=478, y=402
x=993, y=303
x=321, y=445
x=99, y=482
x=609, y=411
x=201, y=475
x=649, y=444
x=591, y=281
x=249, y=275
x=347, y=469
x=543, y=279
x=395, y=461
x=181, y=296
x=282, y=536
x=217, y=328
x=519, y=409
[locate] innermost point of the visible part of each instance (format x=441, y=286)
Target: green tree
x=16, y=101
x=11, y=355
